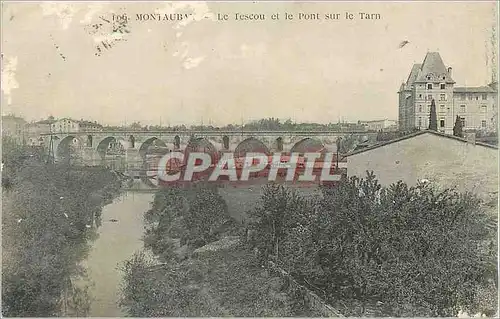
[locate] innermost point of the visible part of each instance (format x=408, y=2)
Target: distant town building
x=34, y=130
x=67, y=125
x=432, y=80
x=380, y=125
x=14, y=127
x=444, y=159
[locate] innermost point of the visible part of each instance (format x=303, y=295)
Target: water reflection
x=117, y=242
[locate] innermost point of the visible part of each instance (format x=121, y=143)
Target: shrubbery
x=192, y=216
x=45, y=215
x=413, y=249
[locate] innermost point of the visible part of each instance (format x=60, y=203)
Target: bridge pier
x=90, y=156
x=133, y=159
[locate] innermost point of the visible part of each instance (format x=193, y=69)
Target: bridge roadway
x=94, y=146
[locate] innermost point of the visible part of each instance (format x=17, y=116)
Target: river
x=117, y=242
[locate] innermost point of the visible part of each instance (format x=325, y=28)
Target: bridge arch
x=307, y=145
x=103, y=145
x=250, y=144
x=68, y=145
x=150, y=142
x=202, y=145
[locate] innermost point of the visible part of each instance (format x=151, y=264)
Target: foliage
x=457, y=128
x=44, y=234
x=279, y=209
x=207, y=212
x=347, y=144
x=211, y=285
x=387, y=136
x=270, y=124
x=433, y=117
x=164, y=222
x=415, y=249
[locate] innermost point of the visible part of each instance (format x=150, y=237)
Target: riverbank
x=206, y=268
x=48, y=215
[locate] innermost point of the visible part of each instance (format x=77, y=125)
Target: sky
x=203, y=70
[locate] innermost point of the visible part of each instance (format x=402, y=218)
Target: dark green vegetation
x=47, y=217
x=457, y=128
x=190, y=282
x=433, y=124
x=399, y=251
x=366, y=250
x=271, y=124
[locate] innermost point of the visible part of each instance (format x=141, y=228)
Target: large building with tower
x=432, y=80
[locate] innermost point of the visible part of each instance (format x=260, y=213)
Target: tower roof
x=433, y=69
x=413, y=74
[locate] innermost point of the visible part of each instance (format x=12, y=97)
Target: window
x=462, y=108
x=419, y=122
x=483, y=123
x=484, y=108
x=448, y=109
x=441, y=123
x=428, y=108
x=470, y=97
x=429, y=85
x=477, y=97
x=420, y=108
x=462, y=119
x=442, y=86
x=441, y=108
x=420, y=96
x=429, y=97
x=442, y=97
x=462, y=97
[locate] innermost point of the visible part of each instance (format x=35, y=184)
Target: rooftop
x=433, y=69
x=474, y=89
x=417, y=134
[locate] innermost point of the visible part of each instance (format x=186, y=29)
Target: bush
x=207, y=212
x=44, y=235
x=415, y=249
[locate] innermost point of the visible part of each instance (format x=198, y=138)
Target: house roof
x=433, y=66
x=475, y=89
x=45, y=122
x=396, y=140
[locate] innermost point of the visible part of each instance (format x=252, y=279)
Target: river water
x=117, y=242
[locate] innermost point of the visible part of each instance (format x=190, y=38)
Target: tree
x=45, y=234
x=347, y=143
x=457, y=128
x=207, y=212
x=433, y=117
x=366, y=244
x=278, y=209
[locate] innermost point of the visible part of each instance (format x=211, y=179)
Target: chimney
x=449, y=71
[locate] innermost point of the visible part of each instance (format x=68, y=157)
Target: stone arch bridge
x=132, y=146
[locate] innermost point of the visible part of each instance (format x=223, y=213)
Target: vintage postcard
x=249, y=159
